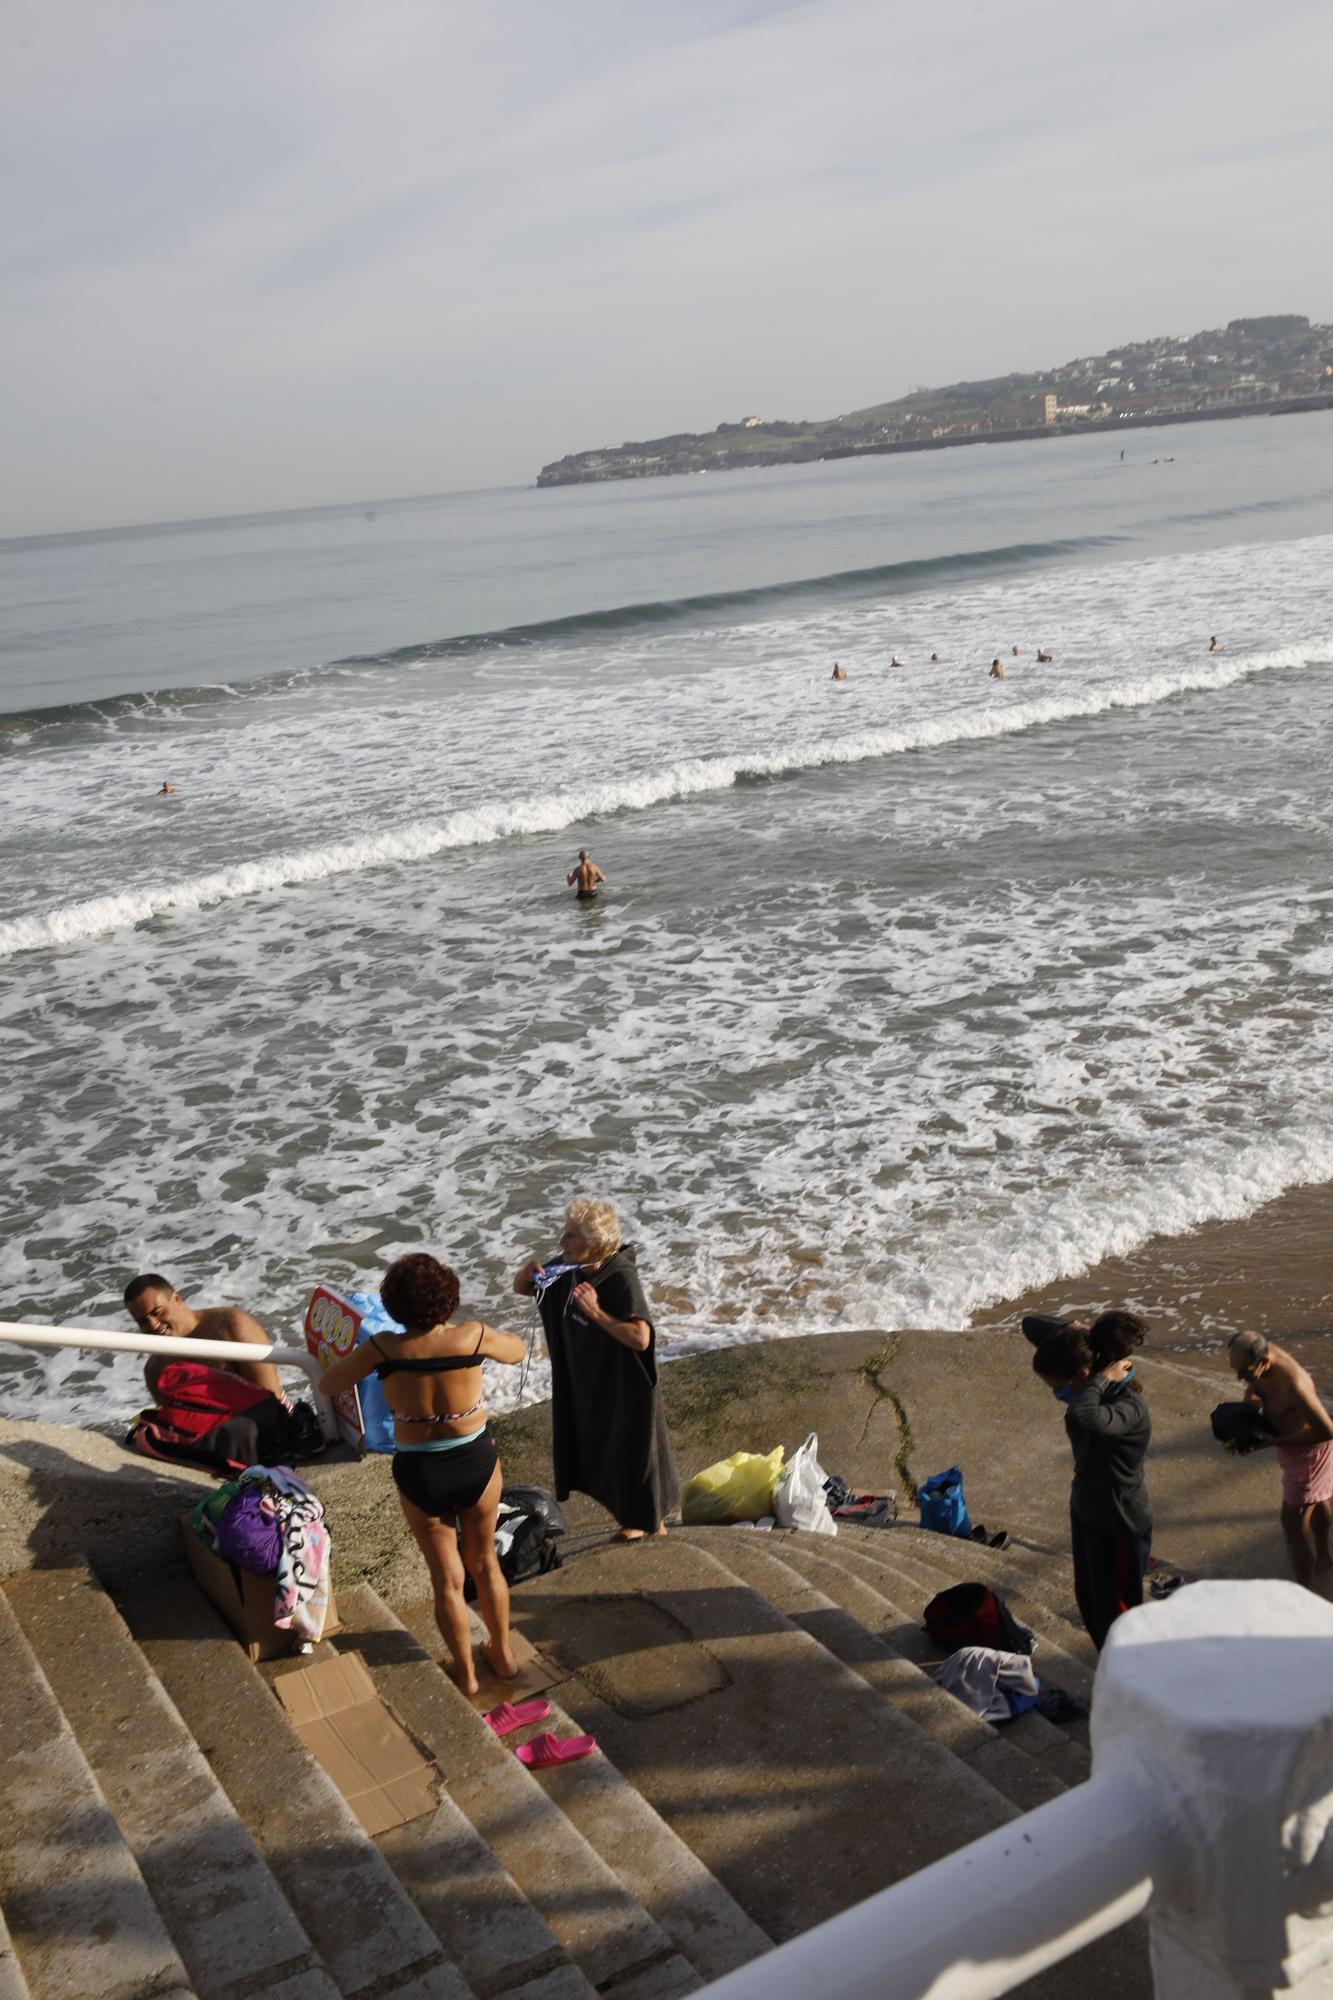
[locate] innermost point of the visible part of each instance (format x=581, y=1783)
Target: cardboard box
x=244, y=1598
x=385, y=1777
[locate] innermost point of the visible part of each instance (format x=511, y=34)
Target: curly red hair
x=419, y=1291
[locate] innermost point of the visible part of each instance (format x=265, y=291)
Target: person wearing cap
x=1302, y=1434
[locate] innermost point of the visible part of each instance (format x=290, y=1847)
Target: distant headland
x=1251, y=367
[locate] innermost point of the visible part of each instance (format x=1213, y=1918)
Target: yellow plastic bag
x=739, y=1488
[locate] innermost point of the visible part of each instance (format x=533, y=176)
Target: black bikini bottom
x=442, y=1482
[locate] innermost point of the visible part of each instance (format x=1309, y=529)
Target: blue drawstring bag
x=943, y=1508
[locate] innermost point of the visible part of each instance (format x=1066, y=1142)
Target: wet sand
x=1273, y=1272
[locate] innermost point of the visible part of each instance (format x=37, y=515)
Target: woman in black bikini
x=445, y=1463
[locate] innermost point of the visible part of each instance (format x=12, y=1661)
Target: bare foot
x=502, y=1664
x=638, y=1534
x=466, y=1683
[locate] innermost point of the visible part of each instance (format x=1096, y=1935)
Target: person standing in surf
x=608, y=1431
x=588, y=876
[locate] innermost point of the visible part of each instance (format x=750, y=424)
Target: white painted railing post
x=1225, y=1693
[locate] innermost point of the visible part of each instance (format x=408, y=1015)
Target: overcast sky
x=271, y=253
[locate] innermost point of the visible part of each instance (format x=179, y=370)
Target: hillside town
x=1250, y=366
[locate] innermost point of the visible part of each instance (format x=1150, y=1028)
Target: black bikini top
x=432, y=1365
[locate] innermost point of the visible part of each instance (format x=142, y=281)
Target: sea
x=908, y=992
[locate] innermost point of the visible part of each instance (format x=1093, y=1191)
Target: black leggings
x=440, y=1482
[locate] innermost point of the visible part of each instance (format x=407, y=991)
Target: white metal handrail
x=16, y=1333
x=985, y=1918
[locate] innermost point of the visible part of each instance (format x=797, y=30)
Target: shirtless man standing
x=588, y=876
x=156, y=1307
x=1303, y=1434
x=996, y=670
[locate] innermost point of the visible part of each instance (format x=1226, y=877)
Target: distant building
x=1050, y=408
x=748, y=423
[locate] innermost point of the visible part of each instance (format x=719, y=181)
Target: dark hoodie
x=608, y=1432
x=1109, y=1428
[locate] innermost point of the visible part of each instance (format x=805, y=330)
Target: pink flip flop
x=512, y=1715
x=547, y=1749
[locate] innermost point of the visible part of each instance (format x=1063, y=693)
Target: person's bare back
x=587, y=875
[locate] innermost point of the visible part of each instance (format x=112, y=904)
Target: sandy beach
x=1271, y=1271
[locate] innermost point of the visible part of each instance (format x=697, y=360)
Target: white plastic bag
x=798, y=1497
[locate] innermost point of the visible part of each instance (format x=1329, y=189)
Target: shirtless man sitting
x=588, y=876
x=156, y=1307
x=1276, y=1383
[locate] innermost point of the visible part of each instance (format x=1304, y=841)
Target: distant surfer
x=839, y=673
x=167, y=791
x=997, y=670
x=1213, y=646
x=588, y=876
x=1043, y=658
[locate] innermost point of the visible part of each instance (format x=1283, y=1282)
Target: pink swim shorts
x=1307, y=1473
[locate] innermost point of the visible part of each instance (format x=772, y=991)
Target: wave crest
x=549, y=812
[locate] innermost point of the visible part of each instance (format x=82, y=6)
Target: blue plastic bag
x=943, y=1508
x=376, y=1417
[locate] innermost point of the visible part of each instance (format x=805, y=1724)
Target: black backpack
x=972, y=1614
x=528, y=1528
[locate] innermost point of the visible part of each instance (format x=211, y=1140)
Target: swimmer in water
x=896, y=662
x=1044, y=659
x=934, y=659
x=588, y=876
x=839, y=673
x=1213, y=646
x=1014, y=651
x=167, y=791
x=997, y=670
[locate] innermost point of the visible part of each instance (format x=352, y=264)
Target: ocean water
x=908, y=993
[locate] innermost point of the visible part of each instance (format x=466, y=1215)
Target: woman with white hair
x=608, y=1431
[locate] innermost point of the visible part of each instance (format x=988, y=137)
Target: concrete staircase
x=771, y=1751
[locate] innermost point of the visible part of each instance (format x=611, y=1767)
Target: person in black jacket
x=608, y=1431
x=1109, y=1428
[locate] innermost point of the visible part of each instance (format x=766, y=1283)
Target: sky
x=259, y=256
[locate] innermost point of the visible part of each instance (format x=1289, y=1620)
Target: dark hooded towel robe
x=608, y=1433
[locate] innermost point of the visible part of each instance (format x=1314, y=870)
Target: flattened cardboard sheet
x=535, y=1674
x=385, y=1777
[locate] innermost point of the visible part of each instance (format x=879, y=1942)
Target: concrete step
x=1019, y=1571
x=1069, y=1659
x=620, y=1948
x=229, y=1919
x=849, y=1618
x=707, y=1926
x=13, y=1986
x=795, y=1784
x=78, y=1911
x=1061, y=1751
x=367, y=1930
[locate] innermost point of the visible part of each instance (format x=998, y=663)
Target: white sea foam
x=550, y=812
x=876, y=1045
